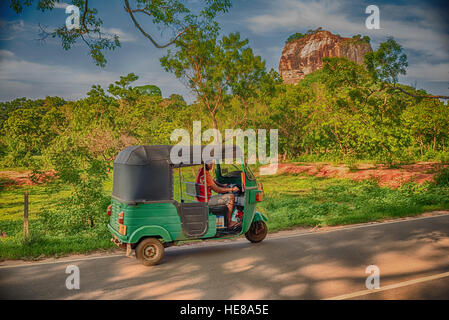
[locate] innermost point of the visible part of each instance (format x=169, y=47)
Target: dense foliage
x=340, y=112
x=343, y=111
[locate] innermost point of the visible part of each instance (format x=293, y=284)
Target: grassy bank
x=40, y=243
x=297, y=200
x=290, y=200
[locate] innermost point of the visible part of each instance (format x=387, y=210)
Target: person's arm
x=215, y=187
x=220, y=184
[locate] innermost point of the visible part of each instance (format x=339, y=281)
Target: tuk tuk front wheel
x=257, y=231
x=149, y=251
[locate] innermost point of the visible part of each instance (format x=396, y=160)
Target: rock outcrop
x=304, y=55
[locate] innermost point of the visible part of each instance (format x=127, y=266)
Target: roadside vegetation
x=343, y=113
x=291, y=200
x=298, y=200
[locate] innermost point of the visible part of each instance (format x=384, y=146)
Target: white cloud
x=435, y=72
x=5, y=54
x=10, y=29
x=123, y=36
x=60, y=5
x=22, y=78
x=294, y=15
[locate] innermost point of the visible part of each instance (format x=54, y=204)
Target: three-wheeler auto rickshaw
x=144, y=215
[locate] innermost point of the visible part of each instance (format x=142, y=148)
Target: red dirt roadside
x=419, y=172
x=10, y=178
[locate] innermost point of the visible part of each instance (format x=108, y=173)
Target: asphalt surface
x=412, y=256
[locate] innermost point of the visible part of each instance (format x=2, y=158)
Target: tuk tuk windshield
x=230, y=170
x=249, y=172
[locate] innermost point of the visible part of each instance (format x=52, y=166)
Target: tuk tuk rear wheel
x=257, y=231
x=150, y=251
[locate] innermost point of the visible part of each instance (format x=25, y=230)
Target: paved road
x=412, y=256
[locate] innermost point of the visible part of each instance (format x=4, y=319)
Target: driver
x=224, y=198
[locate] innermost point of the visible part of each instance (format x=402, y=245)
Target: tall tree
x=214, y=69
x=387, y=63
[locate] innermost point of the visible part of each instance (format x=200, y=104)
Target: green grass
x=46, y=246
x=290, y=201
x=40, y=244
x=297, y=200
x=11, y=201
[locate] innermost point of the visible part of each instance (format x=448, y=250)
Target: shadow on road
x=312, y=266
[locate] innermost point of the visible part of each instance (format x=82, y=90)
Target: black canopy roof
x=144, y=155
x=144, y=173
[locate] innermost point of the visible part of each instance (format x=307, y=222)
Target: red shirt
x=200, y=180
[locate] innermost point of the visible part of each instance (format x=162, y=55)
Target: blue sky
x=29, y=68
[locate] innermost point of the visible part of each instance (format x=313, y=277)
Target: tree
x=295, y=36
x=428, y=122
x=149, y=90
x=122, y=89
x=31, y=127
x=177, y=100
x=387, y=63
x=76, y=166
x=214, y=69
x=369, y=114
x=9, y=106
x=23, y=129
x=340, y=112
x=166, y=14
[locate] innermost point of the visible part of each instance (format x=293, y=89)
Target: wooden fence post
x=25, y=216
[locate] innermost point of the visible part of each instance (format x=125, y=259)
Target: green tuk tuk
x=144, y=215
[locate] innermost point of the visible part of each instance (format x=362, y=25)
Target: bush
x=295, y=36
x=442, y=156
x=442, y=178
x=71, y=216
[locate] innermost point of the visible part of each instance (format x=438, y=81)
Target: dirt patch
x=11, y=178
x=390, y=177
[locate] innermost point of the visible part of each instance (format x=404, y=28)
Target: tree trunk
x=215, y=126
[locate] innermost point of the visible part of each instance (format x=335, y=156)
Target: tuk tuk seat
x=220, y=210
x=193, y=190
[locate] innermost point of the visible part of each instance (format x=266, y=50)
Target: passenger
x=225, y=198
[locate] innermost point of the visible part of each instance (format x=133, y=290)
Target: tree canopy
x=216, y=69
x=387, y=63
x=171, y=15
